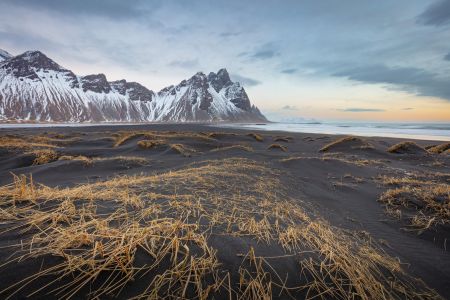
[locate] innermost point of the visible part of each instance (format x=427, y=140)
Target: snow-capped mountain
x=34, y=87
x=4, y=55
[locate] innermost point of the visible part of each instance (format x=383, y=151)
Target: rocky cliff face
x=34, y=87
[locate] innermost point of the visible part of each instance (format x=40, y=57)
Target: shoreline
x=317, y=128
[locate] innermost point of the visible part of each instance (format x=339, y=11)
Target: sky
x=378, y=60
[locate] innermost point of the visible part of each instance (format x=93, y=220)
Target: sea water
x=421, y=131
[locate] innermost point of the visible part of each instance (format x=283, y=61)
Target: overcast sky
x=329, y=59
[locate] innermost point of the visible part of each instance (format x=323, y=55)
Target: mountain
x=34, y=87
x=4, y=55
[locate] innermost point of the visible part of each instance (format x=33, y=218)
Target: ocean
x=421, y=131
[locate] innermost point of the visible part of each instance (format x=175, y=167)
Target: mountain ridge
x=33, y=87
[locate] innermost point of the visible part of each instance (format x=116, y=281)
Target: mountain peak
x=4, y=55
x=199, y=80
x=37, y=59
x=135, y=91
x=199, y=74
x=96, y=83
x=223, y=73
x=32, y=53
x=34, y=59
x=28, y=63
x=220, y=80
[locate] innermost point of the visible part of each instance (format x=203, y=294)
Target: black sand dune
x=192, y=211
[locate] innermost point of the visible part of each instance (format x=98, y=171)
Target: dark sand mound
x=285, y=139
x=346, y=144
x=181, y=149
x=442, y=148
x=277, y=147
x=151, y=144
x=221, y=135
x=256, y=136
x=407, y=148
x=423, y=203
x=245, y=148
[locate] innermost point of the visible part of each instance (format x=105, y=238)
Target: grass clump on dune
x=333, y=157
x=81, y=158
x=246, y=148
x=285, y=139
x=277, y=146
x=43, y=156
x=91, y=161
x=182, y=149
x=123, y=137
x=350, y=141
x=23, y=143
x=256, y=136
x=160, y=225
x=218, y=135
x=149, y=144
x=406, y=148
x=439, y=148
x=422, y=203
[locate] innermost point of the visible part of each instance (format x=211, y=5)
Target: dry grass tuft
x=423, y=203
x=182, y=149
x=332, y=157
x=23, y=143
x=218, y=135
x=406, y=148
x=124, y=159
x=256, y=136
x=350, y=141
x=232, y=147
x=43, y=156
x=439, y=148
x=40, y=146
x=124, y=136
x=81, y=158
x=277, y=146
x=90, y=161
x=148, y=144
x=285, y=139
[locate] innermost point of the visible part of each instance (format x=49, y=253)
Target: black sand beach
x=193, y=211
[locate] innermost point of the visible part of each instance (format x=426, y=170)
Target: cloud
x=437, y=14
x=355, y=109
x=408, y=108
x=289, y=107
x=409, y=79
x=185, y=64
x=264, y=54
x=229, y=34
x=447, y=57
x=245, y=81
x=117, y=9
x=289, y=71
